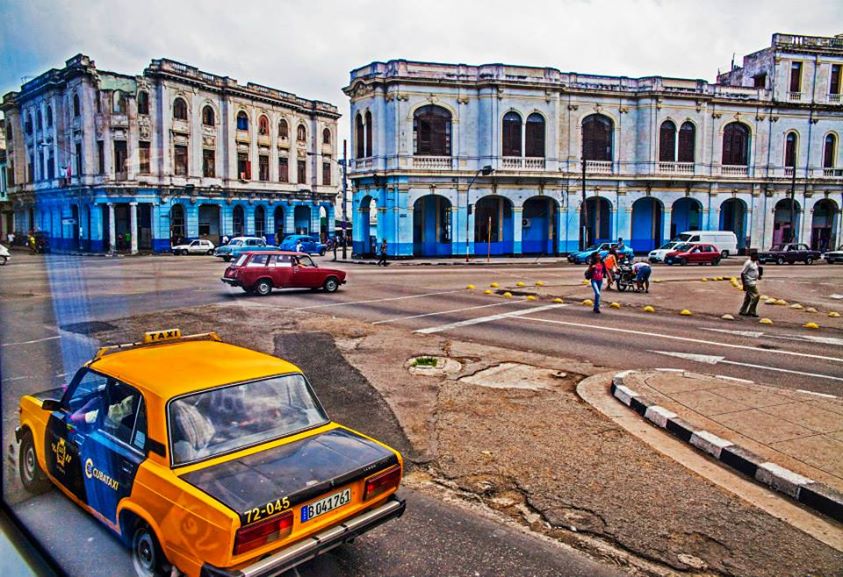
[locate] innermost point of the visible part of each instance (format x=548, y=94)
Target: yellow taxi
x=207, y=458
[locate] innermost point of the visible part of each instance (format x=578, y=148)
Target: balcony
x=519, y=163
x=788, y=171
x=833, y=172
x=531, y=163
x=511, y=162
x=683, y=168
x=835, y=98
x=432, y=162
x=598, y=166
x=363, y=163
x=794, y=96
x=729, y=170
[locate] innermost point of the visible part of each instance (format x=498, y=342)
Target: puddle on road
x=516, y=376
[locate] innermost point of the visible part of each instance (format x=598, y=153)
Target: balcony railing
x=833, y=172
x=598, y=166
x=531, y=163
x=788, y=171
x=432, y=162
x=363, y=163
x=676, y=167
x=519, y=163
x=834, y=98
x=794, y=96
x=511, y=162
x=734, y=170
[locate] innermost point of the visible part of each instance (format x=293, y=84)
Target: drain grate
x=88, y=327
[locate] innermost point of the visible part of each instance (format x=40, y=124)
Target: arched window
x=242, y=121
x=238, y=221
x=326, y=136
x=27, y=125
x=790, y=142
x=432, y=131
x=49, y=117
x=39, y=124
x=301, y=133
x=368, y=133
x=9, y=132
x=736, y=145
x=119, y=102
x=283, y=129
x=180, y=109
x=667, y=142
x=260, y=221
x=829, y=151
x=597, y=138
x=143, y=102
x=511, y=134
x=263, y=125
x=534, y=136
x=208, y=115
x=76, y=106
x=687, y=138
x=359, y=138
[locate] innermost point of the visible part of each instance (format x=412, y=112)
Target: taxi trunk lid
x=299, y=471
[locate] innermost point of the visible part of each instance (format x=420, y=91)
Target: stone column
x=133, y=222
x=666, y=218
x=517, y=228
x=112, y=229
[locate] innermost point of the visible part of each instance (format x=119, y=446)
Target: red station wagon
x=695, y=254
x=260, y=272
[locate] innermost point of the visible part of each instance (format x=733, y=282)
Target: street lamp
x=485, y=171
x=344, y=164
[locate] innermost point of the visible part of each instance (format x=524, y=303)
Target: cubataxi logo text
x=93, y=473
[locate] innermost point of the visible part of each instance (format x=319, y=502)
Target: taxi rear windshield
x=228, y=419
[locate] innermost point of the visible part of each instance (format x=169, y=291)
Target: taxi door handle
x=127, y=468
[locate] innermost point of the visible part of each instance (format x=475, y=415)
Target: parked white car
x=200, y=246
x=659, y=254
x=4, y=254
x=725, y=240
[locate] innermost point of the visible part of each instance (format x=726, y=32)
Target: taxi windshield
x=227, y=419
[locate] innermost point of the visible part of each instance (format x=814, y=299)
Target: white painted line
x=736, y=379
x=837, y=297
x=446, y=312
x=707, y=359
x=671, y=370
x=713, y=360
x=10, y=379
x=350, y=303
x=750, y=334
x=778, y=370
x=823, y=395
x=487, y=319
x=683, y=339
x=32, y=341
x=811, y=338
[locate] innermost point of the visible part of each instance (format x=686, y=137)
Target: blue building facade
x=451, y=159
x=105, y=162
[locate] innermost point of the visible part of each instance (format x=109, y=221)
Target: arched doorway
x=367, y=240
x=238, y=221
x=177, y=230
x=824, y=225
x=209, y=222
x=323, y=223
x=786, y=221
x=280, y=224
x=493, y=229
x=74, y=225
x=301, y=219
x=733, y=217
x=260, y=222
x=432, y=233
x=595, y=221
x=538, y=226
x=646, y=224
x=686, y=214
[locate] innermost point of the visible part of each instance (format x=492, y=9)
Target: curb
x=816, y=496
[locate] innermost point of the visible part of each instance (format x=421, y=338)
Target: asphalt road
x=38, y=351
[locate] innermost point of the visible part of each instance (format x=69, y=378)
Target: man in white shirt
x=750, y=275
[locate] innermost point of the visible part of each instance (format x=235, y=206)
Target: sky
x=309, y=47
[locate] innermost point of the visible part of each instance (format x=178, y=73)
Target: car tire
x=147, y=557
x=809, y=260
x=322, y=252
x=210, y=252
x=185, y=252
x=226, y=258
x=263, y=287
x=780, y=260
x=3, y=260
x=331, y=284
x=33, y=478
x=683, y=261
x=724, y=254
x=715, y=262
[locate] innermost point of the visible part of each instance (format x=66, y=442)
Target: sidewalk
x=749, y=427
x=460, y=261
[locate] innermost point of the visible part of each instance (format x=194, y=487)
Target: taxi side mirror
x=51, y=405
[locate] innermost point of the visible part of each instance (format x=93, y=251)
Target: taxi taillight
x=259, y=534
x=382, y=482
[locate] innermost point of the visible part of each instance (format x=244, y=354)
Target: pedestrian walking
x=595, y=273
x=334, y=244
x=298, y=245
x=750, y=275
x=225, y=239
x=610, y=263
x=382, y=260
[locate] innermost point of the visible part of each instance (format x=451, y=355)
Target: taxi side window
x=123, y=404
x=281, y=260
x=305, y=261
x=139, y=434
x=85, y=399
x=259, y=260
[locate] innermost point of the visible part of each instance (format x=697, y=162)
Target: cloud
x=309, y=46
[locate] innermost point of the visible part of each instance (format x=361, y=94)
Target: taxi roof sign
x=158, y=336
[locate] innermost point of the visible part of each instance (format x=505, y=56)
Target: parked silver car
x=200, y=246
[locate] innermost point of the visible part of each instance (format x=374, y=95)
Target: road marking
x=32, y=341
x=487, y=319
x=824, y=395
x=380, y=300
x=750, y=334
x=446, y=312
x=812, y=338
x=713, y=360
x=684, y=339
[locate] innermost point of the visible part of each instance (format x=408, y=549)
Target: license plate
x=325, y=505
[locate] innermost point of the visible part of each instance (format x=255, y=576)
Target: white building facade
x=579, y=158
x=102, y=161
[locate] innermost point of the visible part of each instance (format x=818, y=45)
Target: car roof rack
x=107, y=350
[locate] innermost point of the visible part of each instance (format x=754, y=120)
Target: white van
x=724, y=240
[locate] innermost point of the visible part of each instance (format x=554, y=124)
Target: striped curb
x=814, y=495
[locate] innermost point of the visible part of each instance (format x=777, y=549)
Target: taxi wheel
x=331, y=285
x=263, y=288
x=31, y=476
x=3, y=260
x=147, y=558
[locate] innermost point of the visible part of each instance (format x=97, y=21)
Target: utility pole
x=344, y=196
x=584, y=227
x=793, y=201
